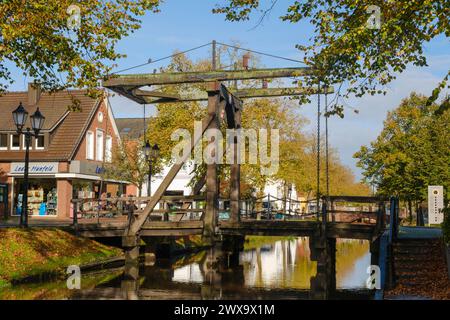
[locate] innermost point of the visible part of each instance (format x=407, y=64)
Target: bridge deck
x=252, y=227
x=297, y=228
x=115, y=227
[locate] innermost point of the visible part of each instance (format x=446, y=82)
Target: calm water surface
x=268, y=269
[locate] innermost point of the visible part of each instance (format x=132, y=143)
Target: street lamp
x=20, y=116
x=151, y=153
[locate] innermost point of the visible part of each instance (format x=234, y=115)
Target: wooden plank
x=140, y=220
x=151, y=97
x=148, y=79
x=170, y=232
x=212, y=185
x=235, y=174
x=173, y=225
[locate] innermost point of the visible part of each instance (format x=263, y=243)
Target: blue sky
x=185, y=24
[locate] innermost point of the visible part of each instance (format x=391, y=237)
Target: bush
x=446, y=225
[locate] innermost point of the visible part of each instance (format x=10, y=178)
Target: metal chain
x=318, y=148
x=326, y=143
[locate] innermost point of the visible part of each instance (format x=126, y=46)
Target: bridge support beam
x=130, y=282
x=130, y=245
x=212, y=185
x=323, y=250
x=235, y=176
x=150, y=252
x=375, y=252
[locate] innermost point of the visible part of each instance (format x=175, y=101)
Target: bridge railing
x=169, y=208
x=269, y=207
x=351, y=209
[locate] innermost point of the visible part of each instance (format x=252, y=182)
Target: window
x=3, y=141
x=108, y=149
x=40, y=142
x=24, y=143
x=99, y=146
x=15, y=142
x=90, y=145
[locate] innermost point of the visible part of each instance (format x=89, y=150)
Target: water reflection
x=271, y=269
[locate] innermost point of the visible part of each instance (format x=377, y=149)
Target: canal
x=269, y=268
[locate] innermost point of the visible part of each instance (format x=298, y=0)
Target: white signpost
x=435, y=204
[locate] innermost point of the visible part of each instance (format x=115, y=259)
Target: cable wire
x=261, y=53
x=318, y=148
x=163, y=58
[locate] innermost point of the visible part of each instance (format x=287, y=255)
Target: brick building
x=66, y=160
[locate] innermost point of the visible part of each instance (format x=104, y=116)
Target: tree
x=128, y=164
x=36, y=36
x=341, y=179
x=346, y=48
x=411, y=152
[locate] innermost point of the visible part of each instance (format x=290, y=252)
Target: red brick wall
x=64, y=188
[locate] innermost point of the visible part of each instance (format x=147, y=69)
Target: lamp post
x=151, y=153
x=20, y=116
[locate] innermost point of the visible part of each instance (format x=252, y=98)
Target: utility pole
x=214, y=57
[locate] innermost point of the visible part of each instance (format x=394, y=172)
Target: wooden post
x=212, y=185
x=75, y=216
x=333, y=208
x=235, y=173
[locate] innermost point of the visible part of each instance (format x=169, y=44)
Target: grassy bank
x=30, y=252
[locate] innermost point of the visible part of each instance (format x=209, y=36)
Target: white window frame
x=99, y=150
x=108, y=148
x=36, y=142
x=24, y=147
x=11, y=141
x=5, y=148
x=89, y=155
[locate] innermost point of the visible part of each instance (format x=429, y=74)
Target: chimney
x=34, y=93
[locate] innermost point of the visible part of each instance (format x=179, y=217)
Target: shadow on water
x=280, y=269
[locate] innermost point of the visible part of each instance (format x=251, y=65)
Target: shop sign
x=85, y=167
x=34, y=167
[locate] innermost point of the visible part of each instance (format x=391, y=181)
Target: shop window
x=40, y=142
x=99, y=145
x=15, y=142
x=3, y=141
x=90, y=145
x=42, y=197
x=108, y=149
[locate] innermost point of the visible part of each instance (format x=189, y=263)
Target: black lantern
x=155, y=151
x=20, y=116
x=147, y=149
x=37, y=121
